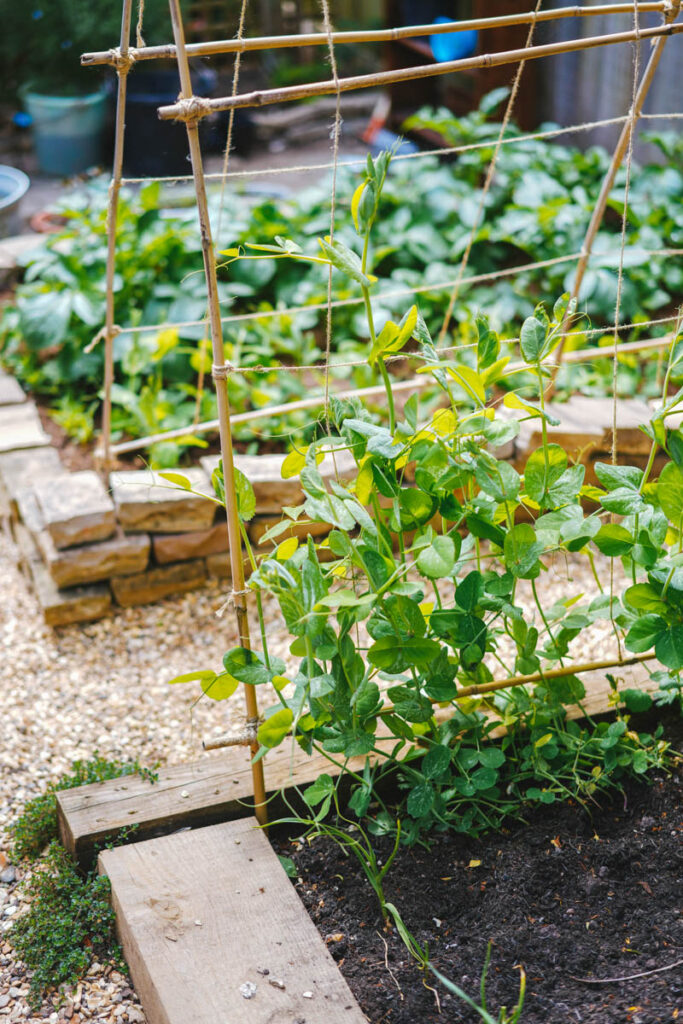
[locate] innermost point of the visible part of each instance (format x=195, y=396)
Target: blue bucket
x=452, y=45
x=67, y=130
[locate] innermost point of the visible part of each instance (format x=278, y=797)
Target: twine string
x=510, y=106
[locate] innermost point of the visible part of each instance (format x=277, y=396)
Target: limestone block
x=150, y=586
x=60, y=607
x=19, y=469
x=122, y=555
x=10, y=391
x=264, y=473
x=28, y=511
x=260, y=525
x=76, y=509
x=177, y=547
x=20, y=427
x=145, y=502
x=218, y=566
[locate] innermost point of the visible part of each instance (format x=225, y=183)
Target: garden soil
x=576, y=898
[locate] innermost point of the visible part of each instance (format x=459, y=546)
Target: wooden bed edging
x=202, y=914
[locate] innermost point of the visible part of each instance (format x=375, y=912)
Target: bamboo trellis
x=192, y=109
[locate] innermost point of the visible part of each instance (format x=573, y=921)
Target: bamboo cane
x=220, y=377
x=194, y=108
x=412, y=384
x=370, y=36
x=230, y=739
x=110, y=330
x=608, y=182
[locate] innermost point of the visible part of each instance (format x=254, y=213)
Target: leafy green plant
x=36, y=826
x=69, y=924
x=538, y=206
x=430, y=568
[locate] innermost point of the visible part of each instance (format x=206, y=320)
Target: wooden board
x=201, y=913
x=218, y=788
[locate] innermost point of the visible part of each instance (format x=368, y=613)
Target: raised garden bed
x=574, y=897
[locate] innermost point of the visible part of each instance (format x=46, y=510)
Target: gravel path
x=102, y=686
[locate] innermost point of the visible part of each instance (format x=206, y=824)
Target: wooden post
x=220, y=373
x=615, y=164
x=124, y=63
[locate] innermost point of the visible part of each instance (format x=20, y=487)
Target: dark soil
x=567, y=895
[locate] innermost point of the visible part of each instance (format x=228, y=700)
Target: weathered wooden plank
x=218, y=788
x=214, y=789
x=202, y=913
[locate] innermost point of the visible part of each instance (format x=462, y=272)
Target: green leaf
x=612, y=477
x=484, y=778
x=366, y=698
x=288, y=866
x=491, y=757
x=644, y=633
x=469, y=592
x=199, y=675
x=436, y=762
x=420, y=800
x=246, y=666
x=246, y=499
x=272, y=732
x=221, y=687
x=345, y=259
x=521, y=551
x=613, y=540
x=543, y=468
x=319, y=790
x=670, y=493
x=438, y=560
x=669, y=648
x=532, y=339
x=636, y=700
x=391, y=657
x=644, y=597
x=624, y=501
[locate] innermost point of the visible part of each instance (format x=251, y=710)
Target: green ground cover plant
x=36, y=826
x=429, y=582
x=70, y=923
x=538, y=207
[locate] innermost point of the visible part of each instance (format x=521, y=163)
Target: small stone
x=8, y=875
x=20, y=427
x=184, y=794
x=263, y=970
x=276, y=983
x=19, y=469
x=4, y=1001
x=307, y=994
x=248, y=990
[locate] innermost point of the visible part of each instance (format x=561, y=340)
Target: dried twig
x=626, y=977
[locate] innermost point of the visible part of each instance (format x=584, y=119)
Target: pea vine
x=423, y=587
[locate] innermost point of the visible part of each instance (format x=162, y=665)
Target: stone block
x=218, y=566
x=122, y=555
x=10, y=391
x=150, y=586
x=76, y=509
x=20, y=427
x=178, y=547
x=19, y=469
x=260, y=525
x=28, y=511
x=60, y=607
x=145, y=502
x=264, y=473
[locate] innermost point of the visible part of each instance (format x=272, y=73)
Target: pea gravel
x=103, y=686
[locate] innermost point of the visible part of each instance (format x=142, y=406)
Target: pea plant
x=427, y=583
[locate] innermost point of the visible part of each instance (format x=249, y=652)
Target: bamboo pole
x=194, y=108
x=220, y=376
x=616, y=162
x=122, y=68
x=229, y=740
x=412, y=384
x=539, y=677
x=370, y=36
